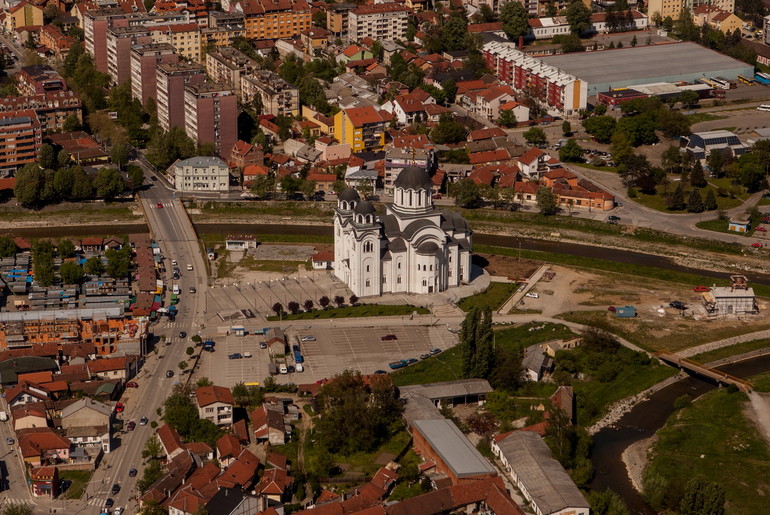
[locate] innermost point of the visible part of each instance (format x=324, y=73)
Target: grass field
x=288, y=208
x=364, y=310
x=266, y=265
x=86, y=211
x=732, y=350
x=211, y=239
x=79, y=480
x=712, y=439
x=494, y=296
x=703, y=117
x=658, y=201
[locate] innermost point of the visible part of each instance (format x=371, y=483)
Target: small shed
x=739, y=224
x=240, y=242
x=625, y=312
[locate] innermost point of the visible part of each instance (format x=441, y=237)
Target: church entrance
x=430, y=289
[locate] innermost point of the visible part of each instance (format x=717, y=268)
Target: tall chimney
x=521, y=43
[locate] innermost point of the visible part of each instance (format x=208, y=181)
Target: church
x=412, y=248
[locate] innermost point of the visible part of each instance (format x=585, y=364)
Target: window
x=367, y=268
x=424, y=282
x=399, y=265
x=368, y=283
x=431, y=268
x=398, y=280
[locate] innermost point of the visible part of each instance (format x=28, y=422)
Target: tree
x=710, y=204
x=263, y=185
x=484, y=338
x=675, y=201
x=119, y=155
x=600, y=127
x=204, y=381
x=634, y=41
x=135, y=177
x=702, y=498
x=47, y=156
x=447, y=130
x=18, y=509
x=29, y=185
x=109, y=183
x=71, y=124
x=118, y=262
x=468, y=341
x=566, y=128
x=751, y=172
x=506, y=118
x=579, y=17
x=324, y=301
x=353, y=299
x=182, y=365
x=547, y=202
x=571, y=152
x=620, y=147
x=63, y=158
x=689, y=98
x=71, y=272
x=82, y=184
x=65, y=248
x=697, y=178
x=672, y=159
x=189, y=351
x=695, y=202
x=277, y=308
x=293, y=306
x=152, y=448
x=607, y=503
x=339, y=300
x=93, y=266
x=569, y=43
x=535, y=136
x=514, y=17
x=7, y=247
x=468, y=195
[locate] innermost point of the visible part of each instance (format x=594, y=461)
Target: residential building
x=274, y=19
x=396, y=159
x=24, y=14
x=278, y=97
x=227, y=65
x=378, y=21
x=558, y=91
x=672, y=8
x=28, y=415
x=624, y=20
x=197, y=9
x=44, y=481
x=269, y=426
x=53, y=39
x=171, y=79
x=39, y=78
x=716, y=18
x=42, y=446
x=144, y=68
x=184, y=37
x=738, y=298
x=25, y=393
x=363, y=128
x=315, y=38
x=96, y=22
x=170, y=442
x=119, y=43
x=51, y=108
x=245, y=154
x=337, y=18
x=541, y=479
x=222, y=36
x=120, y=367
x=215, y=403
x=201, y=174
x=211, y=116
x=486, y=103
x=228, y=449
x=87, y=422
x=412, y=248
x=20, y=139
x=232, y=501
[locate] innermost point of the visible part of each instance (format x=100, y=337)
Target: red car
x=761, y=229
x=757, y=245
x=611, y=308
x=132, y=385
x=701, y=289
x=159, y=205
x=119, y=407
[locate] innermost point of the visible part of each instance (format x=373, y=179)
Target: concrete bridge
x=703, y=370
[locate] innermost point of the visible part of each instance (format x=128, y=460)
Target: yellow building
x=275, y=19
x=716, y=18
x=363, y=128
x=325, y=123
x=672, y=8
x=24, y=14
x=185, y=37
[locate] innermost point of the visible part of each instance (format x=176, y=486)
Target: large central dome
x=413, y=178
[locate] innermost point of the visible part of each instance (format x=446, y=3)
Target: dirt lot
x=507, y=266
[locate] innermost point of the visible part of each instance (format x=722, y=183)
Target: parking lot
x=335, y=350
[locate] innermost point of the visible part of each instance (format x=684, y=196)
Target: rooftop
x=455, y=449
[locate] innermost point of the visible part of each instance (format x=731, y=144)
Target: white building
x=201, y=174
x=378, y=21
x=412, y=248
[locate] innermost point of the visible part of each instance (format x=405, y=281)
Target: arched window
x=367, y=268
x=424, y=282
x=399, y=265
x=368, y=283
x=431, y=268
x=410, y=198
x=398, y=280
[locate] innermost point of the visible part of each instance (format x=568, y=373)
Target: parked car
x=611, y=308
x=290, y=369
x=143, y=421
x=761, y=229
x=533, y=295
x=192, y=289
x=247, y=354
x=412, y=361
x=237, y=355
x=119, y=407
x=435, y=351
x=133, y=472
x=379, y=372
x=153, y=178
x=159, y=205
x=132, y=384
x=10, y=441
x=109, y=502
x=701, y=288
x=174, y=263
x=263, y=345
x=131, y=425
x=308, y=338
x=190, y=267
x=182, y=334
x=169, y=373
x=424, y=356
x=757, y=245
x=389, y=337
x=676, y=304
x=115, y=489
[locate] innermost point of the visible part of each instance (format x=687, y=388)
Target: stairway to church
x=446, y=310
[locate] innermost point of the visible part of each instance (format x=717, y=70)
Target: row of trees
x=293, y=306
x=480, y=357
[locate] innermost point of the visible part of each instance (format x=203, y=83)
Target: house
x=564, y=399
x=738, y=298
x=533, y=163
x=486, y=103
x=241, y=473
x=200, y=449
x=232, y=501
x=92, y=244
x=24, y=393
x=240, y=242
x=407, y=109
x=245, y=154
x=315, y=38
x=323, y=181
x=536, y=363
x=88, y=422
x=323, y=260
x=123, y=367
x=541, y=479
x=275, y=487
x=716, y=18
x=195, y=492
x=268, y=425
x=42, y=446
x=170, y=441
x=740, y=223
x=29, y=415
x=44, y=481
x=520, y=111
x=228, y=449
x=215, y=403
x=275, y=336
x=353, y=53
x=363, y=128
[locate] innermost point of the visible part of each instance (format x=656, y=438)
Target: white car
x=308, y=338
x=173, y=262
x=532, y=295
x=189, y=267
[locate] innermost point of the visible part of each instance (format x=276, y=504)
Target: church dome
x=349, y=195
x=364, y=208
x=429, y=248
x=414, y=178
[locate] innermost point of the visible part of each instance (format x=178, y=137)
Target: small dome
x=413, y=177
x=349, y=194
x=364, y=208
x=429, y=247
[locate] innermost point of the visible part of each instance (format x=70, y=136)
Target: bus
x=721, y=83
x=708, y=82
x=745, y=80
x=762, y=78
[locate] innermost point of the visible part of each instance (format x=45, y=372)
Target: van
x=283, y=369
x=298, y=367
x=764, y=107
x=175, y=289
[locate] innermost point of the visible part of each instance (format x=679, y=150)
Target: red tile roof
x=228, y=446
x=207, y=395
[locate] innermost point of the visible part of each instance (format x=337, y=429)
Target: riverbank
x=635, y=458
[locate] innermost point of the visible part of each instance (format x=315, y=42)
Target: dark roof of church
x=349, y=194
x=428, y=247
x=413, y=177
x=364, y=208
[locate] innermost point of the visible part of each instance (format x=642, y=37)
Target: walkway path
x=514, y=300
x=706, y=347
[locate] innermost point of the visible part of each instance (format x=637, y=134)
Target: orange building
x=20, y=139
x=104, y=335
x=275, y=19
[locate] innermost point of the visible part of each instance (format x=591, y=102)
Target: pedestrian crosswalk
x=96, y=501
x=9, y=501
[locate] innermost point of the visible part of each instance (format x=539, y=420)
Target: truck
x=395, y=365
x=272, y=368
x=172, y=311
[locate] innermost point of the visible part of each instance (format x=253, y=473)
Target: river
x=643, y=421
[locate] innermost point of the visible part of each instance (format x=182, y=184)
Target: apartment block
x=20, y=139
x=51, y=108
x=185, y=37
x=119, y=43
x=556, y=90
x=96, y=22
x=338, y=18
x=23, y=14
x=196, y=8
x=227, y=65
x=278, y=96
x=672, y=8
x=378, y=21
x=211, y=116
x=39, y=78
x=221, y=36
x=396, y=159
x=275, y=19
x=363, y=128
x=144, y=68
x=53, y=39
x=171, y=79
x=201, y=174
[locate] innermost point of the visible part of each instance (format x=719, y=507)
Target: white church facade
x=412, y=248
